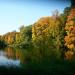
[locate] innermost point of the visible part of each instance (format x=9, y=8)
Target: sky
x=15, y=13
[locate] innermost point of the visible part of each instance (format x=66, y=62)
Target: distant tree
x=25, y=35
x=72, y=3
x=17, y=38
x=9, y=37
x=2, y=43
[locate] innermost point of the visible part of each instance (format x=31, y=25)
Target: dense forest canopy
x=73, y=3
x=47, y=33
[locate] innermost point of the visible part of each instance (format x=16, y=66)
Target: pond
x=12, y=57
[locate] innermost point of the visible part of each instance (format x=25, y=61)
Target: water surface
x=10, y=57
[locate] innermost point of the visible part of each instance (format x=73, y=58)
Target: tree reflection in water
x=12, y=57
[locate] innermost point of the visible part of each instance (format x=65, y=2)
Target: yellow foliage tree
x=45, y=29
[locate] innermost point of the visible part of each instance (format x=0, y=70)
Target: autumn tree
x=47, y=33
x=9, y=37
x=70, y=30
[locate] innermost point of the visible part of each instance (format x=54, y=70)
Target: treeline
x=20, y=39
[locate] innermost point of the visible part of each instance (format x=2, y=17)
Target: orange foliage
x=10, y=37
x=70, y=38
x=69, y=55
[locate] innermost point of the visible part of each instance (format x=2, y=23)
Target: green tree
x=2, y=43
x=25, y=36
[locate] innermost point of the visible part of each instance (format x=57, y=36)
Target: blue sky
x=15, y=13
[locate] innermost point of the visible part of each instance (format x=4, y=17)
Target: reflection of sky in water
x=4, y=61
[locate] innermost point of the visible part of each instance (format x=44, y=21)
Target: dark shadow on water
x=11, y=57
x=44, y=68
